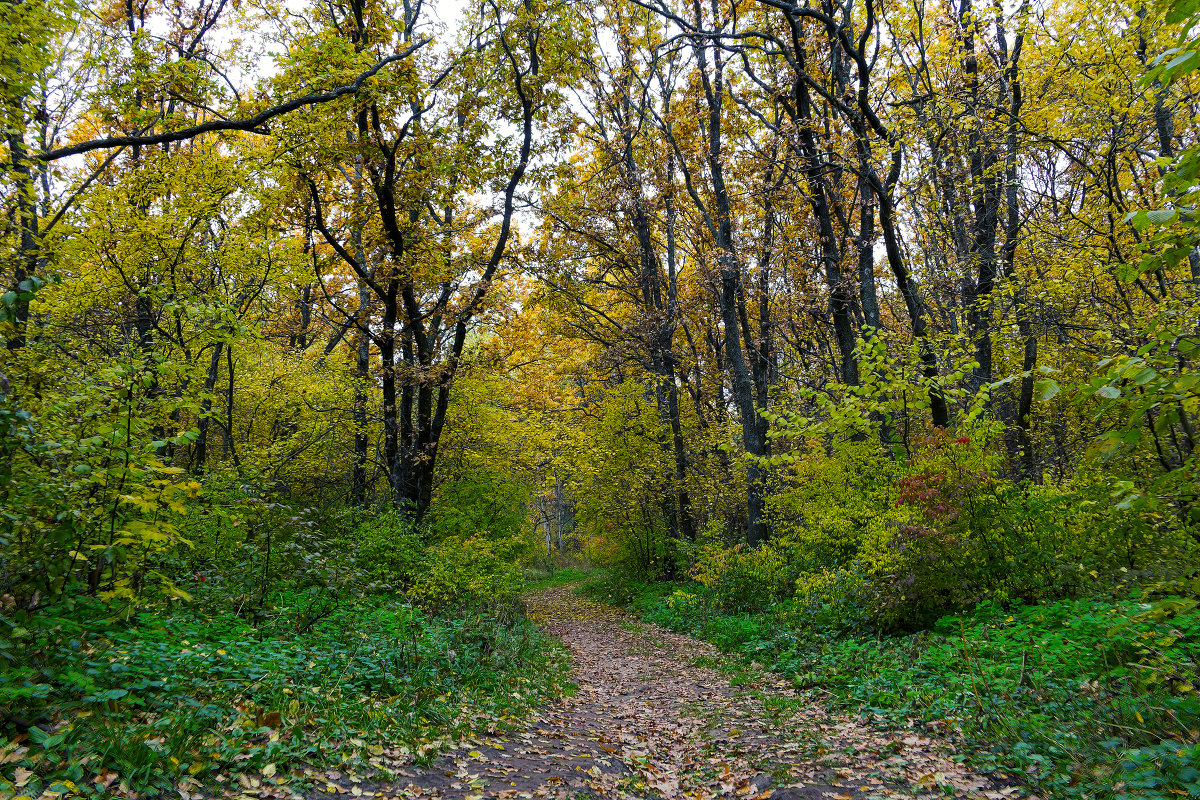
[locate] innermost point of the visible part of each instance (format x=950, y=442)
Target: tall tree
x=420, y=152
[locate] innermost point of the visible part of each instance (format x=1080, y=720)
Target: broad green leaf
x=1044, y=389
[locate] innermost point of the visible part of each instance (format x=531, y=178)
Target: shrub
x=91, y=501
x=729, y=633
x=466, y=572
x=613, y=586
x=257, y=554
x=836, y=599
x=971, y=536
x=1165, y=771
x=834, y=500
x=746, y=579
x=620, y=486
x=479, y=501
x=383, y=544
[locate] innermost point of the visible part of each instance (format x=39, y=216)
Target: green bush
x=865, y=538
x=383, y=544
x=831, y=600
x=265, y=558
x=832, y=502
x=466, y=572
x=91, y=501
x=741, y=578
x=613, y=586
x=619, y=486
x=730, y=633
x=480, y=502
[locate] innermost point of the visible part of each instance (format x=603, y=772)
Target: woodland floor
x=654, y=718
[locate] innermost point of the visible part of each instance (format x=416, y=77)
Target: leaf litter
x=651, y=719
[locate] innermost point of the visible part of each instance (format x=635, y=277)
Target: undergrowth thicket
x=330, y=642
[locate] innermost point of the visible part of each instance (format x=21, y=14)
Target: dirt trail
x=651, y=720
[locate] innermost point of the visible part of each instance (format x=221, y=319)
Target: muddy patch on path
x=651, y=719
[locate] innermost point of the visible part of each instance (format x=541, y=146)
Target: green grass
x=167, y=697
x=613, y=587
x=1084, y=698
x=540, y=580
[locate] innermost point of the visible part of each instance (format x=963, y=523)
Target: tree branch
x=250, y=124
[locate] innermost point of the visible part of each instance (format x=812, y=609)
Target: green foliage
x=488, y=475
x=877, y=523
x=89, y=497
x=1149, y=390
x=182, y=696
x=746, y=579
x=949, y=552
x=458, y=572
x=1089, y=698
x=269, y=560
x=186, y=307
x=28, y=34
x=25, y=291
x=890, y=403
x=832, y=502
x=620, y=486
x=536, y=580
x=383, y=544
x=1165, y=771
x=1150, y=401
x=482, y=503
x=1175, y=227
x=613, y=586
x=898, y=541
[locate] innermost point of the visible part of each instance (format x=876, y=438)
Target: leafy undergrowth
x=178, y=702
x=1086, y=698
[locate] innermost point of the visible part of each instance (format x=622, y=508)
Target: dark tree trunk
x=679, y=447
x=26, y=262
x=841, y=294
x=1012, y=230
x=984, y=183
x=867, y=294
x=362, y=376
x=204, y=422
x=391, y=416
x=730, y=277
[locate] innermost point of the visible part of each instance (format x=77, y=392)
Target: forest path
x=652, y=718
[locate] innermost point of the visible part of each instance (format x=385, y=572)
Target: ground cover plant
x=175, y=699
x=1080, y=698
x=538, y=580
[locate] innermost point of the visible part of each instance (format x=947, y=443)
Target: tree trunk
x=204, y=422
x=730, y=273
x=26, y=263
x=362, y=376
